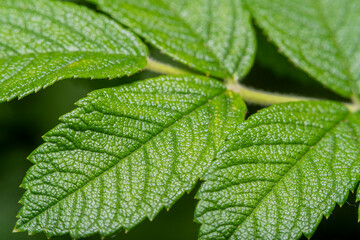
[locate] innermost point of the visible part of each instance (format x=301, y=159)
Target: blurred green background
x=22, y=123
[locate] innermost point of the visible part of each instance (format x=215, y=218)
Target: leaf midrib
x=290, y=170
x=135, y=150
x=35, y=54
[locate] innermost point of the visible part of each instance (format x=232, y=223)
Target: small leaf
x=284, y=169
x=213, y=36
x=43, y=41
x=125, y=153
x=320, y=36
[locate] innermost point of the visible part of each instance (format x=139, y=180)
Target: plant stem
x=248, y=94
x=262, y=97
x=164, y=68
x=268, y=98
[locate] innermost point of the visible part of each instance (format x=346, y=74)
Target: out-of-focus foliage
x=215, y=37
x=321, y=37
x=43, y=41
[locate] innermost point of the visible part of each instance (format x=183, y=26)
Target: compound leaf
x=213, y=36
x=280, y=172
x=321, y=37
x=125, y=153
x=43, y=41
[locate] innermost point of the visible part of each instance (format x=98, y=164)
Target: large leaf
x=320, y=36
x=281, y=172
x=42, y=41
x=213, y=36
x=125, y=153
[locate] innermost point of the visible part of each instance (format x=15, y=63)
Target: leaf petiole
x=248, y=94
x=164, y=68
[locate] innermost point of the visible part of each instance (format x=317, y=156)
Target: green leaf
x=213, y=36
x=125, y=153
x=321, y=37
x=43, y=41
x=280, y=172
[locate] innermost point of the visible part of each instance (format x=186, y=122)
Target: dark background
x=22, y=123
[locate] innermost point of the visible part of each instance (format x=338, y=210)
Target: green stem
x=164, y=68
x=248, y=94
x=266, y=98
x=262, y=97
x=355, y=100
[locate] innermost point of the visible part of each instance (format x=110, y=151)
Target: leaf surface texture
x=44, y=41
x=321, y=37
x=277, y=175
x=213, y=36
x=125, y=153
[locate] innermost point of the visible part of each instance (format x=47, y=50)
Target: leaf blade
x=281, y=172
x=215, y=37
x=46, y=41
x=319, y=36
x=139, y=147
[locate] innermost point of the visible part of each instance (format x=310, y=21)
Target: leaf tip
x=16, y=230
